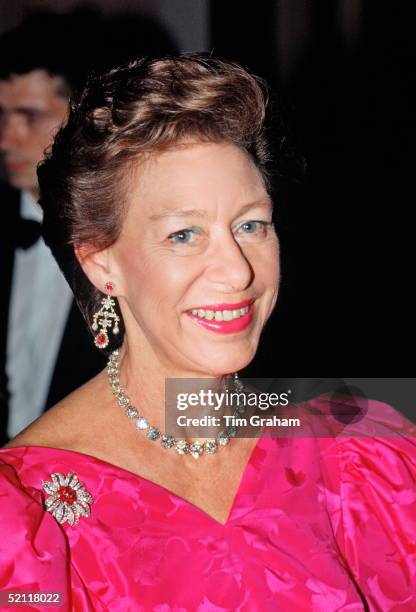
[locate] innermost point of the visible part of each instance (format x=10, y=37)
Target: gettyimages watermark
x=229, y=408
x=295, y=407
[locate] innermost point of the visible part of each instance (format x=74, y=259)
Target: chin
x=21, y=182
x=229, y=363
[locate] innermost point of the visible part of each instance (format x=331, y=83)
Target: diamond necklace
x=182, y=447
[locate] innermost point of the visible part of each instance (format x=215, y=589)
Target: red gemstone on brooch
x=68, y=499
x=67, y=494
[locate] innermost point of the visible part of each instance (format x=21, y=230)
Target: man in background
x=46, y=350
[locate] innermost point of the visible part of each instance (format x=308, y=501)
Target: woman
x=157, y=207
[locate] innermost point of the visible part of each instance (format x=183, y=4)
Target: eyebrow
x=24, y=110
x=196, y=212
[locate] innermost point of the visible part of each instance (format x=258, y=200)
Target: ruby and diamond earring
x=105, y=318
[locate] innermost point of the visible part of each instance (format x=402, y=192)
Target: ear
x=96, y=265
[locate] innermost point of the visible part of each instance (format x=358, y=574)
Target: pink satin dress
x=317, y=524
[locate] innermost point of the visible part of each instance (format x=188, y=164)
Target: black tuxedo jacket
x=78, y=359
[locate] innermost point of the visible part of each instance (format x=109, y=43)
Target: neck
x=34, y=192
x=144, y=382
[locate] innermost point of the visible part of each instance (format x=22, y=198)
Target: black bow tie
x=28, y=233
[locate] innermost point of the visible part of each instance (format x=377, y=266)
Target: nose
x=229, y=269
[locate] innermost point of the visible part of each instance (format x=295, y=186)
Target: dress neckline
x=151, y=483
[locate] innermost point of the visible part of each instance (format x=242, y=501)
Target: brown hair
x=131, y=111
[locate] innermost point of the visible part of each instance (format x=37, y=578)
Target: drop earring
x=105, y=318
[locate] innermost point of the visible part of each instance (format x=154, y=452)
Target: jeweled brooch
x=68, y=498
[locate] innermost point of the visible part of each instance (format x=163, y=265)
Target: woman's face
x=197, y=237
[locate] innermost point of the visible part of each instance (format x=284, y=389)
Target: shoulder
x=21, y=499
x=33, y=548
x=84, y=422
x=70, y=421
x=372, y=441
x=380, y=470
x=370, y=490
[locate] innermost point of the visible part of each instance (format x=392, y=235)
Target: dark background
x=341, y=72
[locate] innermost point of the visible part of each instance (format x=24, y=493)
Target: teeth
x=220, y=315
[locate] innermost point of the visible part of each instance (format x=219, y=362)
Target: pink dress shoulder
x=318, y=524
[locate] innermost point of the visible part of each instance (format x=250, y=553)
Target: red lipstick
x=225, y=327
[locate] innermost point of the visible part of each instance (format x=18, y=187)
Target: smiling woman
x=158, y=208
x=220, y=261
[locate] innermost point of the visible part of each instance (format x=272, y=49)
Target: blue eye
x=182, y=234
x=253, y=226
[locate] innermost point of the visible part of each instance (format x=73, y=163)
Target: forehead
x=196, y=175
x=33, y=88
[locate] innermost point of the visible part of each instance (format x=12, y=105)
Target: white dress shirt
x=39, y=309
